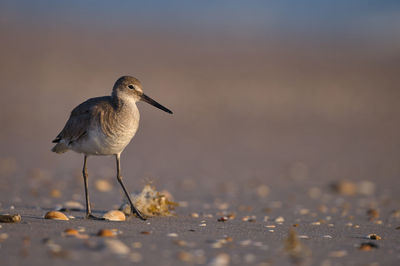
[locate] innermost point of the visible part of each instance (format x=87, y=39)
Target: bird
x=105, y=126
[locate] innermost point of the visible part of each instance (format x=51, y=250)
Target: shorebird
x=105, y=126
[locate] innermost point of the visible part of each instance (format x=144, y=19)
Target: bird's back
x=80, y=121
x=99, y=126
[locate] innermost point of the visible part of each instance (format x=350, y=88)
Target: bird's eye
x=131, y=87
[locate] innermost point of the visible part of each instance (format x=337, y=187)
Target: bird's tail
x=60, y=148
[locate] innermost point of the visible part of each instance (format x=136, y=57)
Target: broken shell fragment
x=374, y=237
x=10, y=218
x=114, y=215
x=56, y=215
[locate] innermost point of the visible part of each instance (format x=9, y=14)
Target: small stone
x=304, y=237
x=280, y=219
x=374, y=237
x=223, y=219
x=262, y=191
x=249, y=218
x=327, y=236
x=195, y=215
x=116, y=246
x=70, y=232
x=55, y=193
x=172, y=235
x=114, y=215
x=56, y=215
x=181, y=243
x=106, y=233
x=304, y=211
x=221, y=259
x=10, y=218
x=3, y=236
x=338, y=253
x=368, y=246
x=145, y=232
x=270, y=226
x=316, y=223
x=103, y=185
x=185, y=256
x=203, y=224
x=344, y=187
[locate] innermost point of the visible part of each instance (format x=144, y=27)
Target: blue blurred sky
x=363, y=17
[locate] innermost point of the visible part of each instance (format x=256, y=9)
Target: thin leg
x=85, y=179
x=119, y=177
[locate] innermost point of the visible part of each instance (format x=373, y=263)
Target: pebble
x=56, y=215
x=368, y=246
x=280, y=219
x=270, y=226
x=106, y=233
x=304, y=211
x=185, y=256
x=3, y=236
x=203, y=224
x=221, y=259
x=117, y=247
x=262, y=191
x=316, y=223
x=55, y=193
x=249, y=218
x=10, y=218
x=103, y=185
x=145, y=232
x=172, y=235
x=344, y=187
x=223, y=219
x=70, y=232
x=195, y=215
x=115, y=215
x=327, y=236
x=304, y=237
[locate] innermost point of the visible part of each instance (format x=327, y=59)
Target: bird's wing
x=80, y=119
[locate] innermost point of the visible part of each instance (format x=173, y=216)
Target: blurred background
x=289, y=95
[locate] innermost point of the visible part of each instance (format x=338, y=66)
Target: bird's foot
x=136, y=212
x=92, y=217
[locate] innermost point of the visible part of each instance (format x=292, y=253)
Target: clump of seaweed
x=150, y=202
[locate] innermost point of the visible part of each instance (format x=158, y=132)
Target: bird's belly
x=97, y=143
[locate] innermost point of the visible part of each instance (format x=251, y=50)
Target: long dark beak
x=149, y=100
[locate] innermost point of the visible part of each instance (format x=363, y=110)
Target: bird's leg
x=89, y=214
x=119, y=177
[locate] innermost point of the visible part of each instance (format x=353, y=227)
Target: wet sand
x=260, y=133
